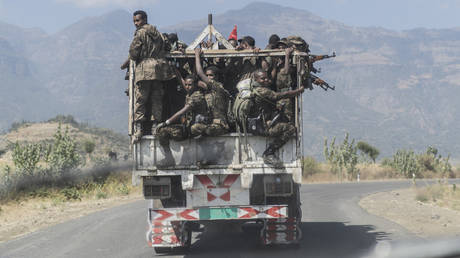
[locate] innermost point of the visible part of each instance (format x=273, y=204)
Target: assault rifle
x=316, y=58
x=321, y=83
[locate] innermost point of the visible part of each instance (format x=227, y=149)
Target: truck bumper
x=218, y=213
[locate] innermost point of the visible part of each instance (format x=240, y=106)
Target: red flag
x=233, y=34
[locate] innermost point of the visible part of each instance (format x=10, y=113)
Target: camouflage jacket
x=264, y=99
x=217, y=101
x=148, y=50
x=283, y=80
x=198, y=106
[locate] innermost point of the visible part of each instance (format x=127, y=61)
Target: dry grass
x=377, y=172
x=441, y=194
x=52, y=206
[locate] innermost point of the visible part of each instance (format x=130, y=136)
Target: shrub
x=71, y=194
x=64, y=119
x=342, y=157
x=63, y=155
x=26, y=158
x=309, y=166
x=405, y=162
x=88, y=146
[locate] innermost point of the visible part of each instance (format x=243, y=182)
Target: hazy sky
x=53, y=15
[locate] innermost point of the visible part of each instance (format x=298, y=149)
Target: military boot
x=168, y=160
x=137, y=136
x=269, y=155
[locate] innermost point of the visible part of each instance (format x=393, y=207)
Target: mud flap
x=281, y=231
x=169, y=234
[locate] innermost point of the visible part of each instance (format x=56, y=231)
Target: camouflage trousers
x=214, y=129
x=287, y=107
x=148, y=100
x=179, y=133
x=281, y=132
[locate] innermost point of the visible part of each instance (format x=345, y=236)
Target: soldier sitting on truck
x=216, y=97
x=265, y=106
x=194, y=114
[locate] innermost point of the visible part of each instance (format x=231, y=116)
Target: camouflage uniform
x=152, y=69
x=217, y=102
x=265, y=99
x=247, y=66
x=179, y=132
x=283, y=83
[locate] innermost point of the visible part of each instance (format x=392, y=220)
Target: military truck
x=221, y=179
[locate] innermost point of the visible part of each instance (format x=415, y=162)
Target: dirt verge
x=423, y=219
x=17, y=219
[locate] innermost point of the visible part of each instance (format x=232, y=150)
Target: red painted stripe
x=159, y=223
x=226, y=196
x=205, y=181
x=164, y=214
x=229, y=180
x=250, y=213
x=211, y=197
x=185, y=215
x=273, y=211
x=157, y=240
x=174, y=240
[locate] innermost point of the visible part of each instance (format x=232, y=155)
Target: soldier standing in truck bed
x=152, y=70
x=283, y=83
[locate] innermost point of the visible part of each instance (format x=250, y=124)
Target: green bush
x=342, y=157
x=26, y=158
x=71, y=194
x=89, y=146
x=405, y=162
x=309, y=166
x=62, y=156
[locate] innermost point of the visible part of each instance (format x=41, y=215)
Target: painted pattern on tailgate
x=217, y=190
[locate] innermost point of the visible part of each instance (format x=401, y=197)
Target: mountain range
x=394, y=89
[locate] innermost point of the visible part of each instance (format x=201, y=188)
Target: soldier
x=196, y=116
x=272, y=41
x=216, y=97
x=148, y=50
x=283, y=83
x=247, y=65
x=265, y=102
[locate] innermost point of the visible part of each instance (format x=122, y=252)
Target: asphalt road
x=333, y=225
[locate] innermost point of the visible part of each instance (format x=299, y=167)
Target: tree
x=368, y=150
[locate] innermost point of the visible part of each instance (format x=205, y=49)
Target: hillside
x=394, y=89
x=43, y=132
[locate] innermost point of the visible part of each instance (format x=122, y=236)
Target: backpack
x=244, y=102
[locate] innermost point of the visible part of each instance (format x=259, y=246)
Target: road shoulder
x=423, y=219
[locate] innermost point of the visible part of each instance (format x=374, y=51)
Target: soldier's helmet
x=299, y=43
x=282, y=42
